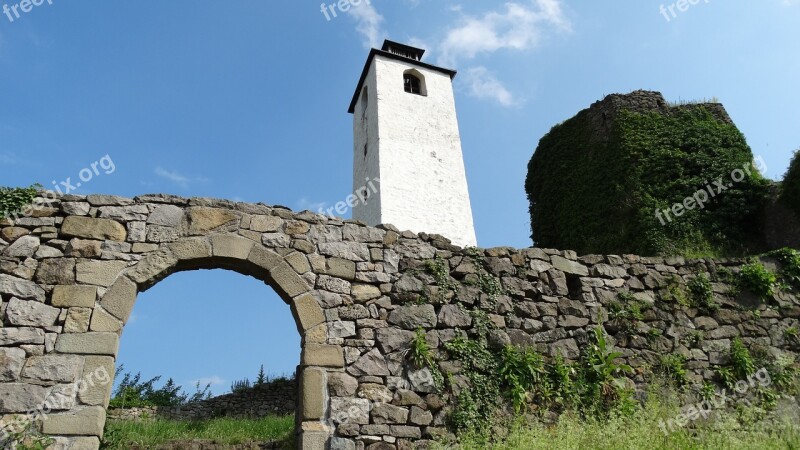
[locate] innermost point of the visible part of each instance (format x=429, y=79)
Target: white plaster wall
x=366, y=170
x=421, y=166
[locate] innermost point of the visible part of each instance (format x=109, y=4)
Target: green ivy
x=702, y=293
x=790, y=188
x=599, y=196
x=13, y=201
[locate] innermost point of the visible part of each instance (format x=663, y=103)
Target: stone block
x=307, y=312
x=322, y=355
x=231, y=246
x=21, y=397
x=56, y=368
x=11, y=362
x=202, y=220
x=84, y=422
x=17, y=287
x=287, y=280
x=191, y=248
x=31, y=313
x=77, y=320
x=90, y=228
x=153, y=267
x=100, y=273
x=103, y=321
x=313, y=391
x=119, y=299
x=92, y=343
x=98, y=377
x=74, y=296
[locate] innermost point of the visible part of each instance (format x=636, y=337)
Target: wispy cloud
x=519, y=26
x=7, y=159
x=178, y=178
x=483, y=84
x=304, y=203
x=368, y=23
x=213, y=380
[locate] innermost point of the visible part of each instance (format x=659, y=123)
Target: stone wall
x=69, y=279
x=275, y=398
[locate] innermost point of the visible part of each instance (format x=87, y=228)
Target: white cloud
x=483, y=84
x=178, y=178
x=518, y=27
x=213, y=380
x=368, y=23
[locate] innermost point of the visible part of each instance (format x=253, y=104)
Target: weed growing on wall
x=758, y=280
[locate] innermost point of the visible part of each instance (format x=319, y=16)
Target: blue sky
x=247, y=100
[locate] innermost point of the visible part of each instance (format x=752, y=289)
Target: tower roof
x=399, y=52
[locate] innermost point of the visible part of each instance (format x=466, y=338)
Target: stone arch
x=242, y=255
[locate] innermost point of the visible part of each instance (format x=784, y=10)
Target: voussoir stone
x=153, y=266
x=119, y=299
x=231, y=246
x=307, y=311
x=414, y=316
x=103, y=321
x=90, y=228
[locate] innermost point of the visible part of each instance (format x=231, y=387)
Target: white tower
x=406, y=136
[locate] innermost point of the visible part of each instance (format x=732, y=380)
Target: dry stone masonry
x=69, y=277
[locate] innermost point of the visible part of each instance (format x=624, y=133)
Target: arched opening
x=287, y=272
x=226, y=350
x=414, y=82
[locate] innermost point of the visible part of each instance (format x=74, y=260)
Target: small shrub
x=758, y=280
x=243, y=385
x=742, y=362
x=674, y=367
x=702, y=293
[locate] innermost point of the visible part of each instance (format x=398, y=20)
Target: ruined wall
x=69, y=279
x=275, y=398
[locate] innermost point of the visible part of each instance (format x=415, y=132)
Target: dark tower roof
x=399, y=52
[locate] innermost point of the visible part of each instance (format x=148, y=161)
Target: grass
x=642, y=430
x=149, y=434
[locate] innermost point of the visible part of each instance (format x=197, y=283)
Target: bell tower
x=408, y=168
